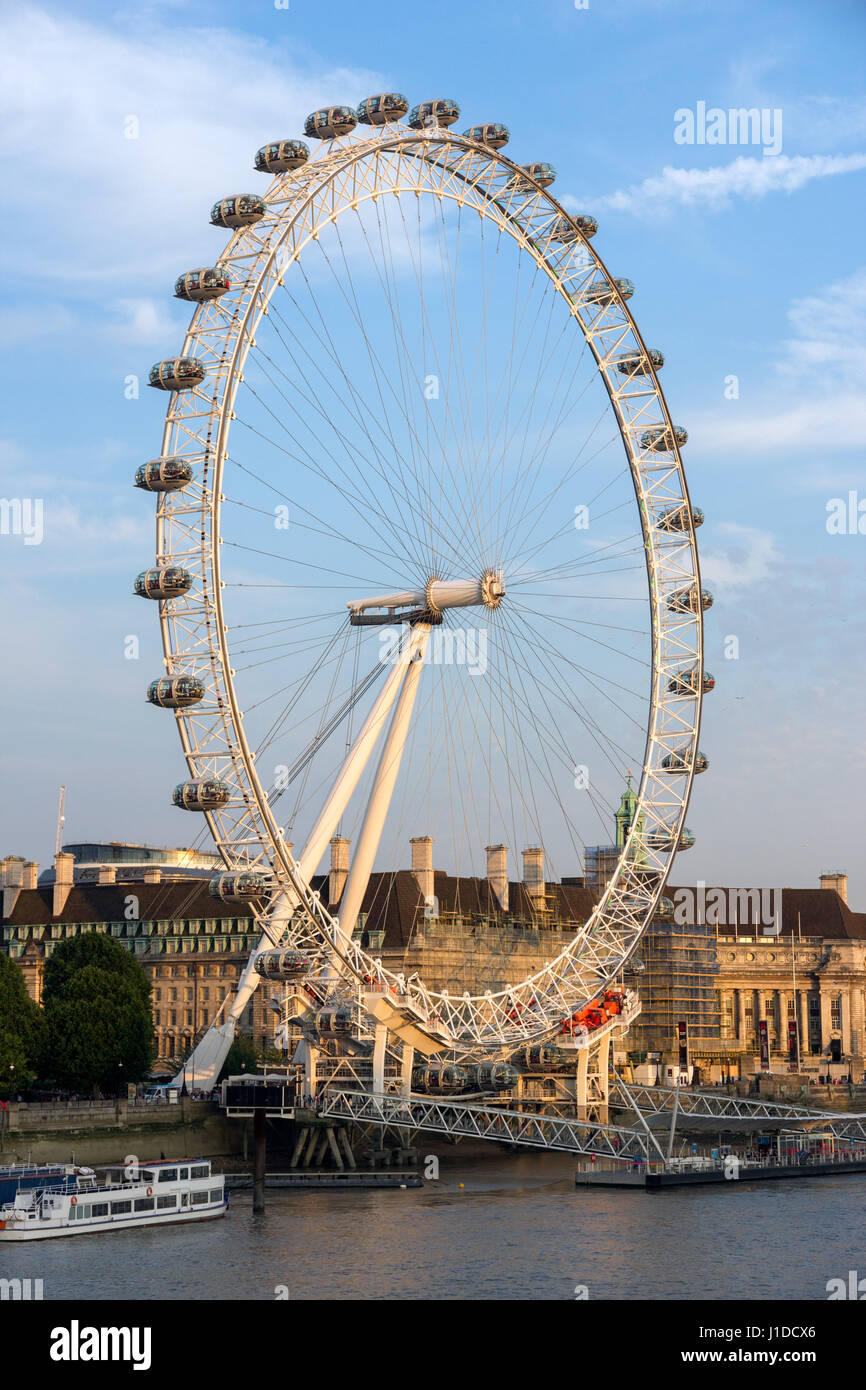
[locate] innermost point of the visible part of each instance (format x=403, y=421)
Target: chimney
x=107, y=873
x=31, y=875
x=11, y=871
x=151, y=875
x=63, y=863
x=533, y=876
x=339, y=869
x=837, y=883
x=497, y=873
x=422, y=864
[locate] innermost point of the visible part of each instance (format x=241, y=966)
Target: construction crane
x=60, y=819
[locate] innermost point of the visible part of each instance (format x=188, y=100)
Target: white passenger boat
x=141, y=1194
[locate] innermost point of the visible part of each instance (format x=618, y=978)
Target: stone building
x=807, y=964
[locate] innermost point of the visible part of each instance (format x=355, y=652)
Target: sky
x=750, y=269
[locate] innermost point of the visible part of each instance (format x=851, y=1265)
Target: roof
x=393, y=903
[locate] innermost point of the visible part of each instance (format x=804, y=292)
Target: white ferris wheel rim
x=350, y=170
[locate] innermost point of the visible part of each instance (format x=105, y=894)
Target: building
x=732, y=982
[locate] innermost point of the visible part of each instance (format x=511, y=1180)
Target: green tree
x=241, y=1057
x=21, y=1029
x=98, y=1020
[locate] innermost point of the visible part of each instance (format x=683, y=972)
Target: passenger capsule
x=382, y=109
x=166, y=474
x=680, y=761
x=334, y=1022
x=493, y=135
x=541, y=1057
x=443, y=111
x=686, y=682
x=664, y=841
x=531, y=174
x=688, y=600
x=242, y=886
x=659, y=439
x=664, y=912
x=639, y=363
x=677, y=518
x=198, y=285
x=439, y=1079
x=163, y=581
x=175, y=692
x=492, y=1076
x=281, y=156
x=604, y=293
x=242, y=210
x=278, y=965
x=201, y=794
x=330, y=122
x=177, y=374
x=568, y=229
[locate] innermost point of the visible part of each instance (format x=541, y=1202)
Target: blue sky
x=746, y=265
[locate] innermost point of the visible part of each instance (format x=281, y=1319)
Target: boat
x=140, y=1194
x=16, y=1176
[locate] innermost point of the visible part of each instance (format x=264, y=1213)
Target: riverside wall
x=106, y=1132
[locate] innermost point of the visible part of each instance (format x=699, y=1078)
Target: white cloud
x=814, y=400
x=144, y=321
x=104, y=208
x=713, y=189
x=745, y=562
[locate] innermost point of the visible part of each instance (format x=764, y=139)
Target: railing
x=487, y=1122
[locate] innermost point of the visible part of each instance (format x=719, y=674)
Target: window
x=200, y=1172
x=99, y=1209
x=120, y=1208
x=168, y=1175
x=183, y=1174
x=199, y=1199
x=144, y=1204
x=163, y=1202
x=216, y=1194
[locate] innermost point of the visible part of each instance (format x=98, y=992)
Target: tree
x=21, y=1029
x=98, y=1021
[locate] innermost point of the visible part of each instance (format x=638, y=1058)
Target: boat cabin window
x=216, y=1194
x=201, y=1171
x=183, y=1174
x=144, y=1204
x=99, y=1209
x=168, y=1175
x=162, y=1202
x=120, y=1208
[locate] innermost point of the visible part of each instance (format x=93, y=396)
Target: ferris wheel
x=425, y=560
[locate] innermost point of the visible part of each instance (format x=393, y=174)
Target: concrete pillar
x=107, y=874
x=30, y=877
x=152, y=875
x=846, y=1021
x=803, y=1021
x=533, y=875
x=741, y=1017
x=380, y=1037
x=259, y=1160
x=422, y=864
x=497, y=873
x=62, y=882
x=339, y=869
x=825, y=1017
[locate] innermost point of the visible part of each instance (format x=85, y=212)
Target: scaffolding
x=677, y=983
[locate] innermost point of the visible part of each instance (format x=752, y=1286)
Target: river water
x=518, y=1229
